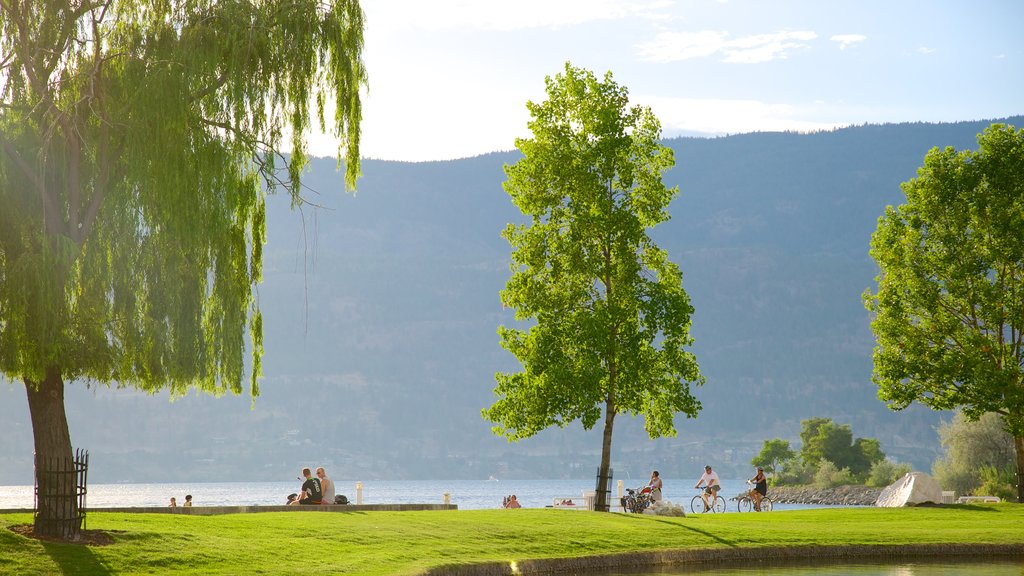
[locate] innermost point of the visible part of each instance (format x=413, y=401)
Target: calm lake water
x=966, y=567
x=467, y=494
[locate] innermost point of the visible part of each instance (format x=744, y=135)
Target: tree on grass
x=137, y=139
x=949, y=308
x=610, y=319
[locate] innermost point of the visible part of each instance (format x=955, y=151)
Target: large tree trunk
x=601, y=503
x=1018, y=442
x=57, y=513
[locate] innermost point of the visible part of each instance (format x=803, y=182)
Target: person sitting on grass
x=512, y=502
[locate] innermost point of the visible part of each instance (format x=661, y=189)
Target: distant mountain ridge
x=381, y=310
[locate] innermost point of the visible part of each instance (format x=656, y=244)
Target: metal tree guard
x=60, y=495
x=607, y=491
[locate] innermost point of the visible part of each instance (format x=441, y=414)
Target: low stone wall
x=216, y=510
x=840, y=496
x=759, y=557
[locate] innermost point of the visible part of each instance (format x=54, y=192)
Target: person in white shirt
x=711, y=486
x=655, y=485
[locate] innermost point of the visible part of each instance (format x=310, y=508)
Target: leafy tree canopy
x=610, y=319
x=949, y=308
x=772, y=454
x=137, y=139
x=823, y=440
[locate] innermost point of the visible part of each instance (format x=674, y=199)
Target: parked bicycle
x=697, y=504
x=637, y=501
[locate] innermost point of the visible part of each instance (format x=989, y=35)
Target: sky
x=451, y=78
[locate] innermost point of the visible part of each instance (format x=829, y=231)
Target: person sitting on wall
x=512, y=502
x=312, y=492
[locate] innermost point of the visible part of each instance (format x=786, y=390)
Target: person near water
x=760, y=488
x=312, y=492
x=326, y=486
x=655, y=485
x=711, y=486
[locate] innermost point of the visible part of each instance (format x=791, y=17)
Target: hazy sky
x=450, y=78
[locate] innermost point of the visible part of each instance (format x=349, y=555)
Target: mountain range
x=381, y=309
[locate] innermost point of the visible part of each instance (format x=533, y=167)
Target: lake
x=467, y=494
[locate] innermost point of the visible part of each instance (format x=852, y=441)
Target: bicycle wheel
x=719, y=505
x=697, y=505
x=744, y=504
x=766, y=504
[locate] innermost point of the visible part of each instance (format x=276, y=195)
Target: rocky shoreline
x=839, y=496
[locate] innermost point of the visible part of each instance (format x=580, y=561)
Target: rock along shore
x=839, y=496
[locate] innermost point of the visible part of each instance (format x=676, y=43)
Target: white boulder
x=913, y=489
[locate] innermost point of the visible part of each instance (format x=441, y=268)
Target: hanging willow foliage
x=137, y=142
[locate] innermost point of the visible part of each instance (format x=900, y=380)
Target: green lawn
x=411, y=542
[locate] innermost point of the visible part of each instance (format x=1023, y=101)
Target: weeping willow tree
x=138, y=139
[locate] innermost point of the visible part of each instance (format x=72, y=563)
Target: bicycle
x=636, y=501
x=697, y=504
x=745, y=503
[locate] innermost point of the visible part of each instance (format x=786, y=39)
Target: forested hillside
x=381, y=312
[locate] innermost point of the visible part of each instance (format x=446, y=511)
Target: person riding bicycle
x=711, y=486
x=760, y=483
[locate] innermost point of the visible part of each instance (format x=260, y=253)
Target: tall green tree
x=609, y=319
x=948, y=314
x=137, y=141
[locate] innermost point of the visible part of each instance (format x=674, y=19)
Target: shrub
x=885, y=472
x=997, y=483
x=793, y=472
x=830, y=476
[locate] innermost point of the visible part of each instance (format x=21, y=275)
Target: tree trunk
x=601, y=503
x=1018, y=442
x=57, y=513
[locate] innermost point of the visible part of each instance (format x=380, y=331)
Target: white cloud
x=504, y=14
x=847, y=40
x=724, y=116
x=925, y=50
x=676, y=46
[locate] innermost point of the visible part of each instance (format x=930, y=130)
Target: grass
x=413, y=542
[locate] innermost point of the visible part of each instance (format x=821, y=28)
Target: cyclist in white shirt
x=711, y=486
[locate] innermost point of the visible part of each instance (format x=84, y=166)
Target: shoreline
x=850, y=495
x=709, y=557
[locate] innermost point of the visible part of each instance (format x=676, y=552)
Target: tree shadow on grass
x=971, y=507
x=72, y=557
x=705, y=533
x=76, y=559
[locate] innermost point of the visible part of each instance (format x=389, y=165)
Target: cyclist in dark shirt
x=311, y=491
x=760, y=488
